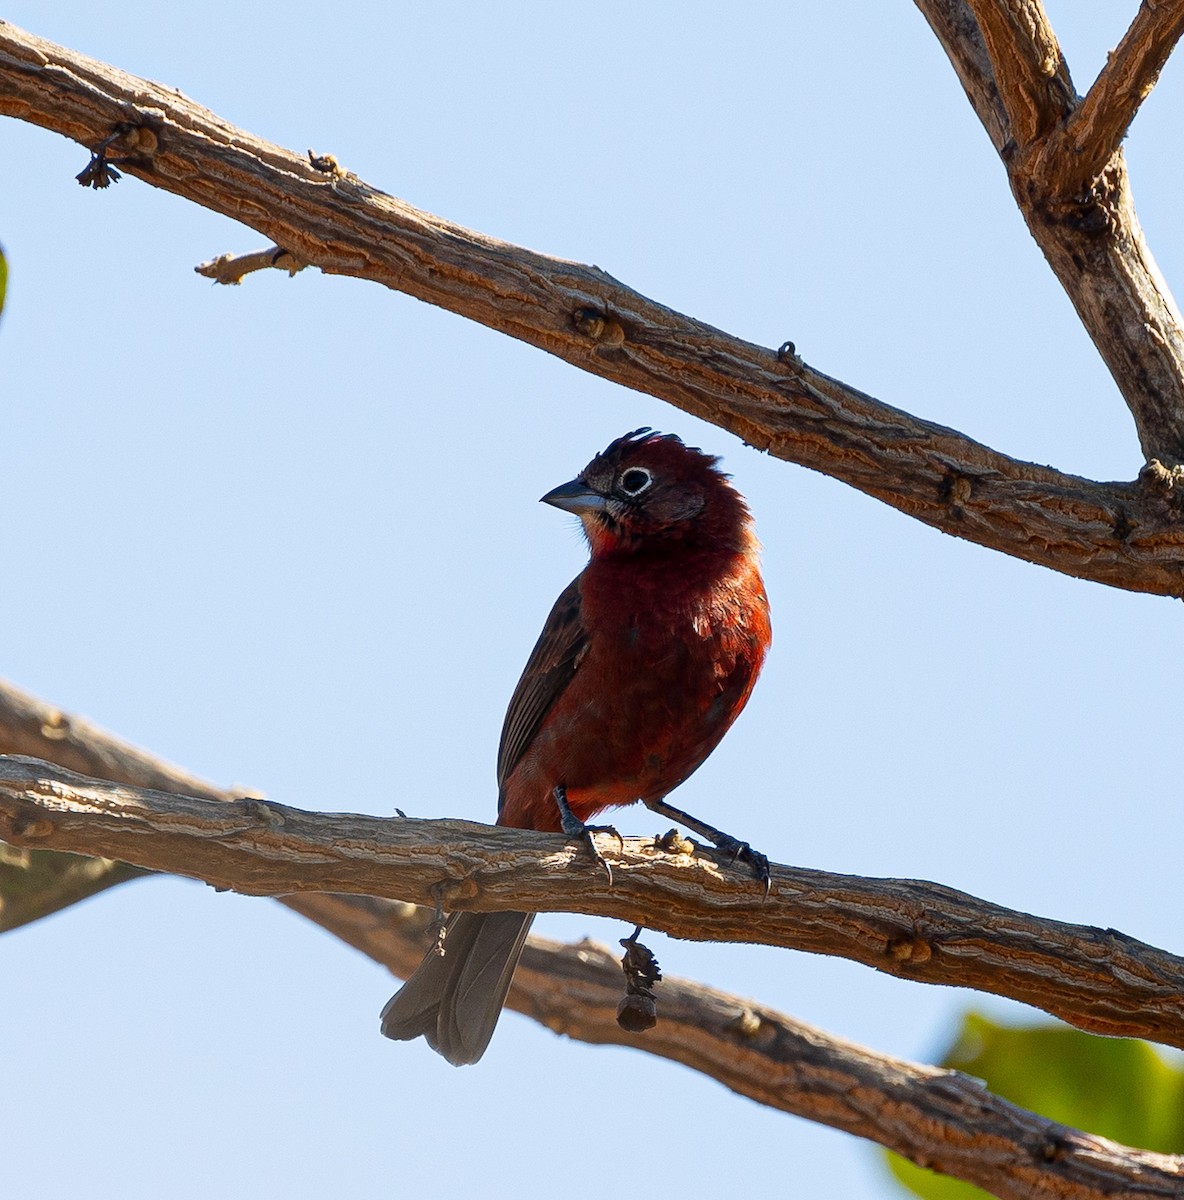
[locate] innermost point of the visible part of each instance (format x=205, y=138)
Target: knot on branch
x=788, y=356
x=326, y=164
x=747, y=1024
x=1054, y=1147
x=1163, y=479
x=909, y=947
x=955, y=490
x=55, y=725
x=598, y=325
x=1164, y=485
x=1050, y=183
x=25, y=823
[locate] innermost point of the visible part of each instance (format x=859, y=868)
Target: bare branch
x=1127, y=535
x=1086, y=227
x=231, y=268
x=957, y=30
x=1099, y=980
x=33, y=728
x=933, y=1117
x=1030, y=71
x=943, y=1119
x=936, y=1118
x=1078, y=151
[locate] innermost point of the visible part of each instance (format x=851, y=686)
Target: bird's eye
x=635, y=481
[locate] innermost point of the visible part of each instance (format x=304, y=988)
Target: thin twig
x=231, y=268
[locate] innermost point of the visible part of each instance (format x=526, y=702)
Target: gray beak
x=575, y=497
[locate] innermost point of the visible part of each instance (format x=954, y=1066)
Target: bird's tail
x=455, y=998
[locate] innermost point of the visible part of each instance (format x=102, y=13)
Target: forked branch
x=1068, y=176
x=1129, y=535
x=1078, y=151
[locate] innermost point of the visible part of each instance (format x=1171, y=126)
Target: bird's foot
x=743, y=852
x=738, y=850
x=575, y=828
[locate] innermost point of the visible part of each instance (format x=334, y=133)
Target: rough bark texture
x=936, y=1118
x=1068, y=175
x=1066, y=169
x=1125, y=534
x=1094, y=130
x=1097, y=979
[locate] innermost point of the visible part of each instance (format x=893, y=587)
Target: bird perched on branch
x=647, y=658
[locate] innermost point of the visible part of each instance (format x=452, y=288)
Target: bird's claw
x=575, y=828
x=743, y=852
x=588, y=836
x=724, y=842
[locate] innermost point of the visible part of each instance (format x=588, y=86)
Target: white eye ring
x=635, y=480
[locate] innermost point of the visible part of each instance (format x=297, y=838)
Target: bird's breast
x=668, y=667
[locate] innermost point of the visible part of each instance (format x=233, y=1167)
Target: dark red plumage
x=645, y=661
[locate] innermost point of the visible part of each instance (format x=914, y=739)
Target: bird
x=645, y=661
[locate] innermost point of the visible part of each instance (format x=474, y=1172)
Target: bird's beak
x=575, y=497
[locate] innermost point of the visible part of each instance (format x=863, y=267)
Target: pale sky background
x=287, y=536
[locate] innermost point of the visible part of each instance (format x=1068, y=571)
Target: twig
x=231, y=268
x=1112, y=533
x=1099, y=980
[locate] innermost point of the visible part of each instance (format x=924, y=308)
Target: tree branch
x=1126, y=535
x=1018, y=83
x=957, y=30
x=1030, y=71
x=36, y=883
x=938, y=1118
x=1078, y=151
x=1099, y=980
x=233, y=268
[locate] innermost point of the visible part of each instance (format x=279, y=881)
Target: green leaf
x=930, y=1184
x=1116, y=1087
x=3, y=277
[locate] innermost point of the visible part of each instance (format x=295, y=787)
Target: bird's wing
x=548, y=671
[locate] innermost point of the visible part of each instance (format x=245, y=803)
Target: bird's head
x=648, y=490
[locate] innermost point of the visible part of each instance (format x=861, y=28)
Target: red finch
x=645, y=661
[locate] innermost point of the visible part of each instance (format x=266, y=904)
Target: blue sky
x=286, y=535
